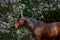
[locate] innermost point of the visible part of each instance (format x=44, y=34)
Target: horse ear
x=21, y=14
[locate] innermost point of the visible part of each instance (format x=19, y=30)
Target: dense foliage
x=42, y=10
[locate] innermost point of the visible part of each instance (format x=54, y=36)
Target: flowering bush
x=44, y=10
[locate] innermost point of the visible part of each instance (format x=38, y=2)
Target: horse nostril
x=16, y=24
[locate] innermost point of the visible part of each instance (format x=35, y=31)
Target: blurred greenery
x=42, y=10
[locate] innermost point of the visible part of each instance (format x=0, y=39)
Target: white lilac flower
x=46, y=9
x=2, y=30
x=23, y=5
x=18, y=31
x=51, y=5
x=14, y=6
x=39, y=12
x=58, y=6
x=20, y=7
x=34, y=9
x=7, y=31
x=46, y=5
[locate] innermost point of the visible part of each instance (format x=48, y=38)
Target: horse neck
x=29, y=23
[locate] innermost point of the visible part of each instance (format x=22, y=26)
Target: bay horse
x=40, y=30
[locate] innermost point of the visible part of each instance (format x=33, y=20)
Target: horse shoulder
x=57, y=25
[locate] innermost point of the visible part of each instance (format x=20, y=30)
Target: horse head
x=20, y=21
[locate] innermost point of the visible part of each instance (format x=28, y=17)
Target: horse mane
x=34, y=20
